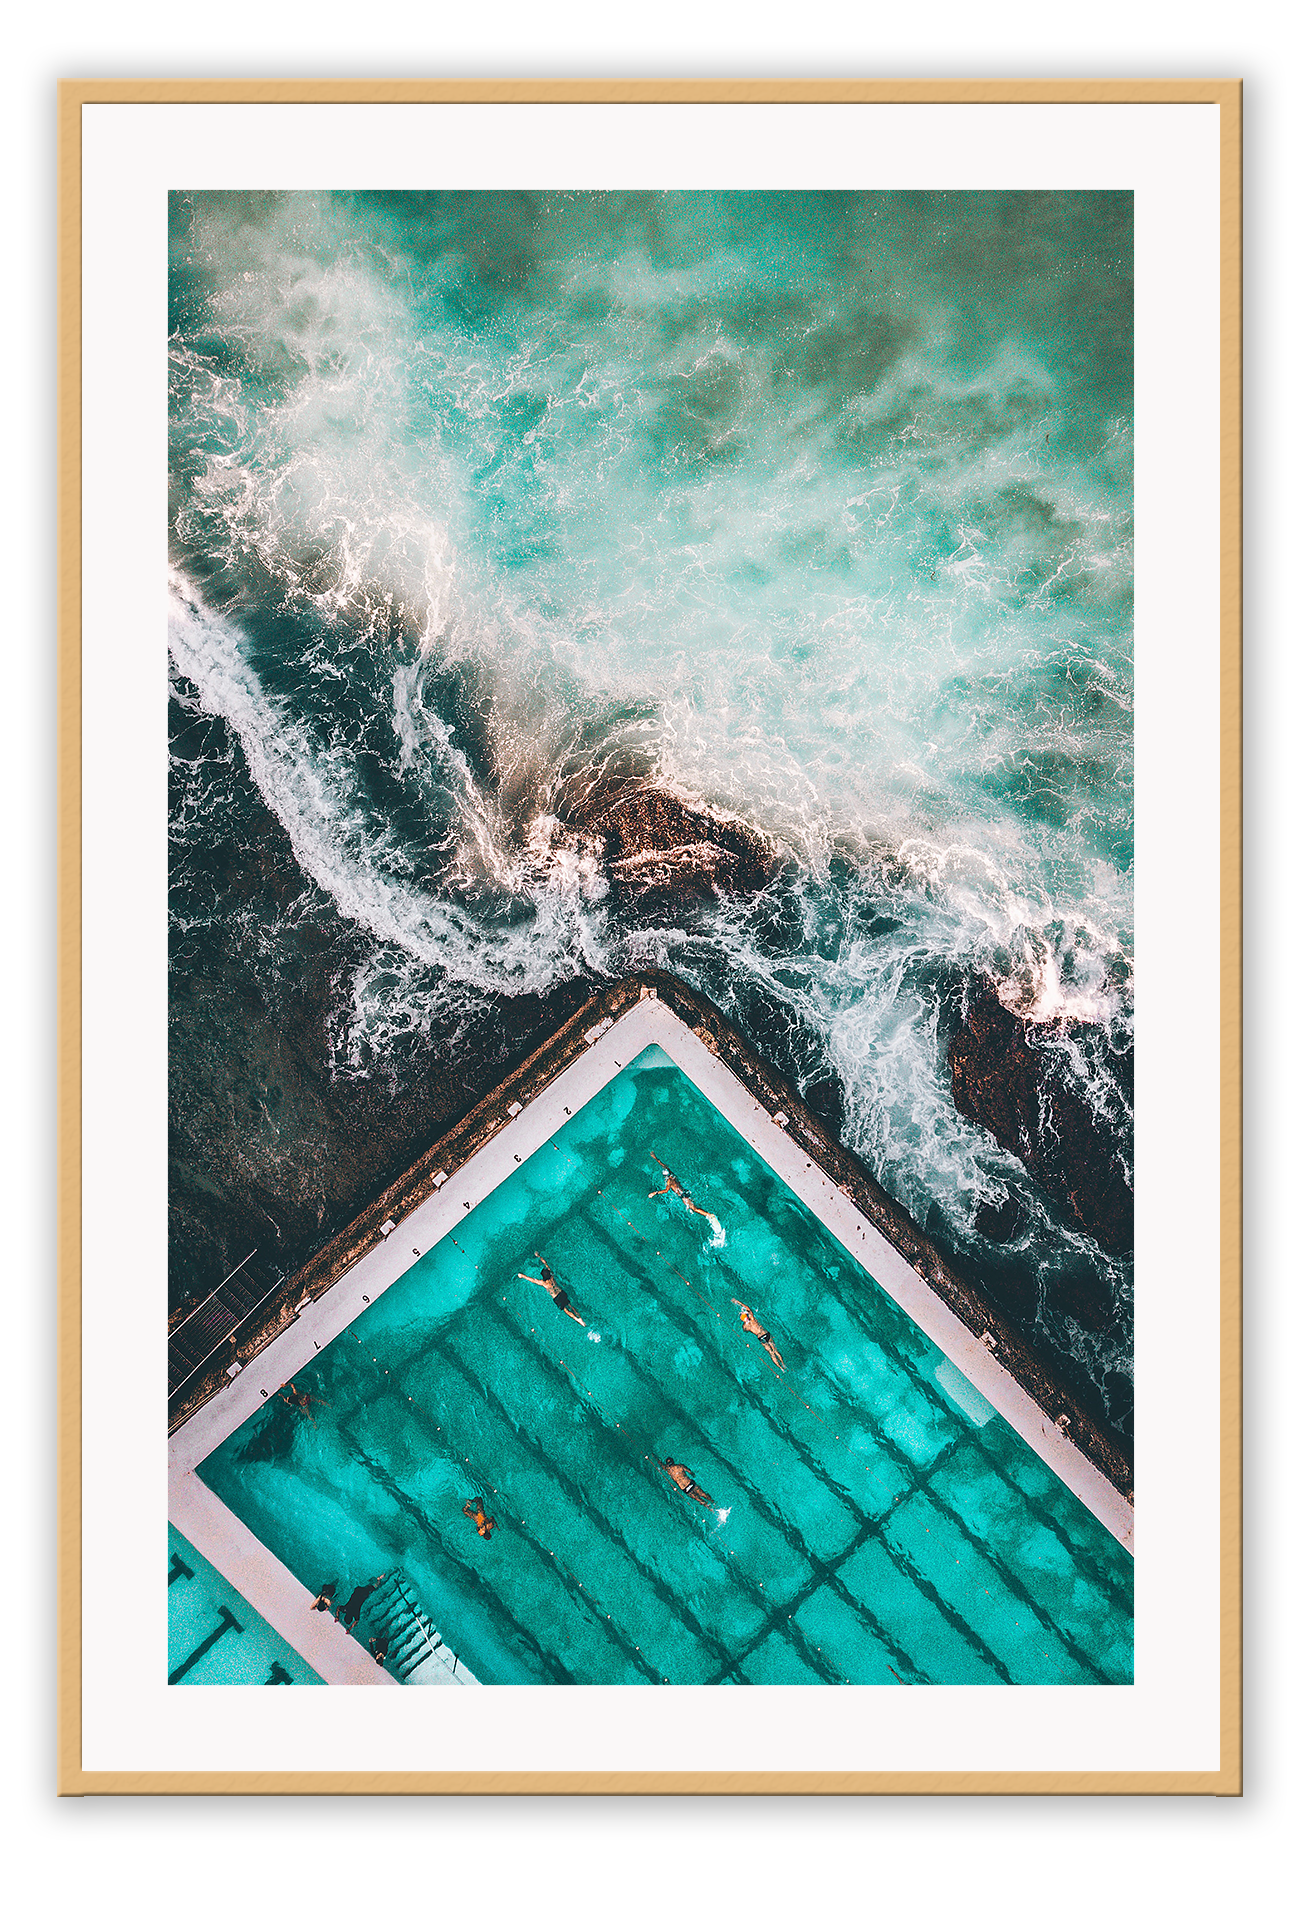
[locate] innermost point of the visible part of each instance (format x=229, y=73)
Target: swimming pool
x=871, y=1517
x=214, y=1636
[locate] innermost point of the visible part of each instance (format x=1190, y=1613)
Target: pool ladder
x=399, y=1623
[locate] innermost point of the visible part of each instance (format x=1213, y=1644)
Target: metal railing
x=212, y=1322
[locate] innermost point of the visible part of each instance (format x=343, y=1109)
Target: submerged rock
x=825, y=1099
x=999, y=1223
x=654, y=841
x=1002, y=1079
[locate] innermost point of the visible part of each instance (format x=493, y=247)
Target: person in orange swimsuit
x=482, y=1521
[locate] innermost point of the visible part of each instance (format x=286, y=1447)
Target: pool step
x=397, y=1619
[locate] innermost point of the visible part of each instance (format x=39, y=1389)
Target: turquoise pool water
x=871, y=1519
x=213, y=1636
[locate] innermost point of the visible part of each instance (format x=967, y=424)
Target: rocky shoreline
x=1003, y=1078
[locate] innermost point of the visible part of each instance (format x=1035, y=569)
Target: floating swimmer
x=749, y=1322
x=350, y=1613
x=679, y=1190
x=301, y=1400
x=686, y=1482
x=550, y=1285
x=482, y=1521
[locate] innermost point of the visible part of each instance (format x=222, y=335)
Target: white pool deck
x=286, y=1603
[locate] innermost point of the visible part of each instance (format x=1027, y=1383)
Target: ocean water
x=816, y=508
x=869, y=1516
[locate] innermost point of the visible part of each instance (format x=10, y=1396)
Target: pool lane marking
x=570, y=1159
x=781, y=1376
x=788, y=1526
x=433, y=1530
x=850, y=1401
x=503, y=1496
x=536, y=1542
x=470, y=1468
x=666, y=1593
x=662, y=1591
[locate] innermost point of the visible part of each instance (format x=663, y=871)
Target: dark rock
x=518, y=1023
x=654, y=841
x=1002, y=1079
x=999, y=1223
x=825, y=1100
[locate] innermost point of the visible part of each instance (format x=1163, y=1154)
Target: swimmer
x=685, y=1481
x=483, y=1522
x=301, y=1400
x=679, y=1190
x=325, y=1600
x=749, y=1322
x=550, y=1285
x=350, y=1613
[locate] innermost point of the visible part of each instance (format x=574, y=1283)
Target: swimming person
x=301, y=1400
x=682, y=1476
x=483, y=1522
x=325, y=1600
x=350, y=1612
x=551, y=1286
x=749, y=1322
x=679, y=1190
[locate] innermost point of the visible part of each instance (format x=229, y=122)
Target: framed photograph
x=646, y=671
